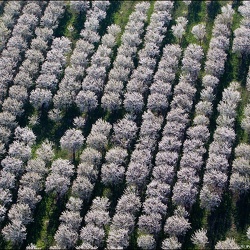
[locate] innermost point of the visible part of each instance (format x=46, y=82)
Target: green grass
x=180, y=9
x=45, y=210
x=121, y=17
x=150, y=12
x=71, y=25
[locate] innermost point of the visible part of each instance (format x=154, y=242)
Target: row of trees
x=13, y=166
x=31, y=185
x=219, y=43
x=225, y=121
x=140, y=164
x=154, y=205
x=97, y=140
x=123, y=65
x=11, y=12
x=186, y=188
x=97, y=219
x=70, y=85
x=138, y=170
x=51, y=70
x=20, y=149
x=113, y=170
x=157, y=190
x=242, y=38
x=161, y=88
x=17, y=44
x=216, y=174
x=82, y=187
x=18, y=93
x=139, y=167
x=239, y=180
x=141, y=78
x=93, y=83
x=140, y=161
x=123, y=222
x=171, y=141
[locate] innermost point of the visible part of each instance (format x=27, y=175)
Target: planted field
x=124, y=125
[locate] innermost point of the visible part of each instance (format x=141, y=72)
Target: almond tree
x=199, y=32
x=199, y=238
x=229, y=243
x=72, y=141
x=15, y=232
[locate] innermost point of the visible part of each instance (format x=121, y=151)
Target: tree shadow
x=220, y=221
x=242, y=212
x=194, y=9
x=213, y=9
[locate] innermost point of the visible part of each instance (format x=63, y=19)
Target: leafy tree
x=112, y=174
x=13, y=106
x=71, y=219
x=176, y=225
x=124, y=132
x=129, y=202
x=45, y=151
x=199, y=31
x=229, y=243
x=118, y=238
x=20, y=212
x=91, y=156
x=74, y=204
x=32, y=180
x=12, y=165
x=40, y=98
x=82, y=188
x=185, y=192
x=7, y=179
x=209, y=200
x=171, y=243
x=36, y=165
x=72, y=140
x=88, y=170
x=123, y=220
x=86, y=101
x=146, y=242
x=199, y=238
x=65, y=237
x=18, y=93
x=97, y=141
x=25, y=135
x=97, y=217
x=79, y=6
x=116, y=155
x=15, y=232
x=57, y=183
x=28, y=196
x=150, y=223
x=5, y=196
x=92, y=235
x=133, y=102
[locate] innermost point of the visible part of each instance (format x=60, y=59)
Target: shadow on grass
x=220, y=221
x=242, y=212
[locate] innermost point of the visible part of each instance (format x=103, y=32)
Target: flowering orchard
x=124, y=124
